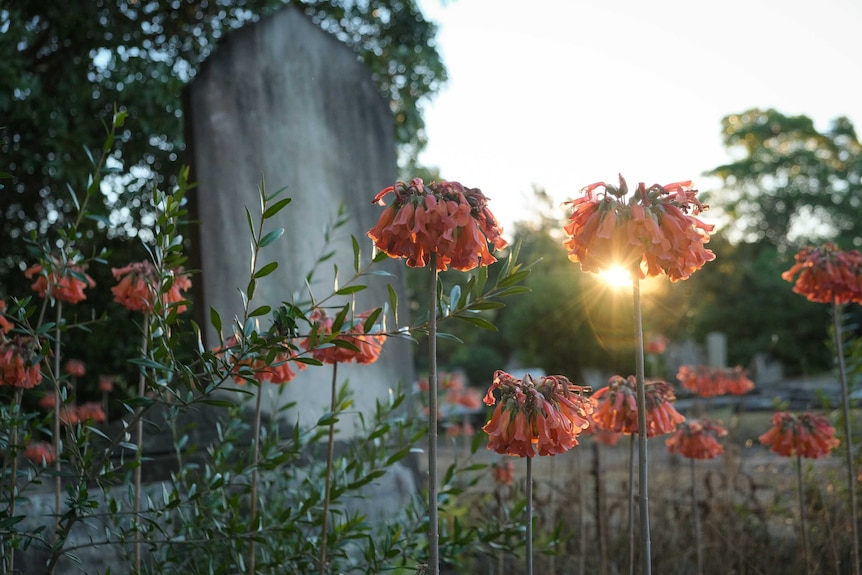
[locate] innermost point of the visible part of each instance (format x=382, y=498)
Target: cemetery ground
x=747, y=500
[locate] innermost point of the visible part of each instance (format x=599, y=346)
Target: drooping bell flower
x=654, y=229
x=711, y=382
x=138, y=283
x=599, y=434
x=445, y=218
x=277, y=371
x=804, y=434
x=19, y=362
x=368, y=345
x=617, y=406
x=40, y=452
x=546, y=414
x=84, y=413
x=5, y=325
x=65, y=282
x=504, y=472
x=697, y=439
x=827, y=274
x=75, y=368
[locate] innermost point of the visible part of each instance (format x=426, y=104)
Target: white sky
x=564, y=93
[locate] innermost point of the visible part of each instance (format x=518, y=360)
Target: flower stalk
x=643, y=487
x=139, y=441
x=433, y=533
x=327, y=490
x=803, y=524
x=529, y=512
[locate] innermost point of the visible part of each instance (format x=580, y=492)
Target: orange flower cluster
x=277, y=371
x=457, y=430
x=63, y=282
x=443, y=218
x=367, y=345
x=827, y=274
x=5, y=325
x=19, y=362
x=106, y=383
x=656, y=345
x=805, y=434
x=619, y=411
x=75, y=368
x=504, y=472
x=40, y=452
x=138, y=283
x=655, y=229
x=697, y=439
x=84, y=413
x=711, y=382
x=546, y=414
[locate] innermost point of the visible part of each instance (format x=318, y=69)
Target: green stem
x=848, y=437
x=529, y=515
x=646, y=563
x=695, y=513
x=330, y=449
x=802, y=522
x=13, y=450
x=57, y=444
x=139, y=439
x=631, y=504
x=433, y=533
x=255, y=458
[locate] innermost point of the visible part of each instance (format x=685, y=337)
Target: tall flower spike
x=546, y=414
x=697, y=439
x=617, y=406
x=805, y=434
x=827, y=274
x=655, y=229
x=445, y=218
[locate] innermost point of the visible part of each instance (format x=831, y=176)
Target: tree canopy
x=790, y=183
x=66, y=68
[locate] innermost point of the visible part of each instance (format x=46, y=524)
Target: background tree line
x=64, y=70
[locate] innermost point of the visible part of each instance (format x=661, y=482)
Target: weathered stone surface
x=283, y=100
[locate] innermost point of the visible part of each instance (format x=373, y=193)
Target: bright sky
x=564, y=93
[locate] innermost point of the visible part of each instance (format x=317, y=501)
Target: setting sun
x=616, y=277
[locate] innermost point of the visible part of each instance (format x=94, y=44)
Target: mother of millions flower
x=546, y=414
x=617, y=410
x=437, y=225
x=827, y=274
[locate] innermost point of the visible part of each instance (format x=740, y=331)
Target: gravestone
x=285, y=101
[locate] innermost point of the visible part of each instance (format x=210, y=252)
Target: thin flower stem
x=330, y=448
x=848, y=437
x=582, y=503
x=631, y=504
x=600, y=516
x=646, y=561
x=802, y=522
x=433, y=534
x=695, y=513
x=139, y=439
x=16, y=411
x=529, y=515
x=252, y=523
x=57, y=444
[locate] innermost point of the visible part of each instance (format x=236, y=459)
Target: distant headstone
x=283, y=100
x=716, y=349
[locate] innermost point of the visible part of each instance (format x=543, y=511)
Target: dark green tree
x=790, y=183
x=65, y=65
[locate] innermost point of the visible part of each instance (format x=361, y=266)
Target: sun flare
x=616, y=277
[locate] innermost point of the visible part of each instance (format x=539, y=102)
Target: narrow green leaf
x=250, y=223
x=481, y=305
x=350, y=289
x=393, y=302
x=356, y=254
x=262, y=310
x=371, y=319
x=266, y=270
x=271, y=237
x=74, y=197
x=449, y=336
x=276, y=207
x=478, y=321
